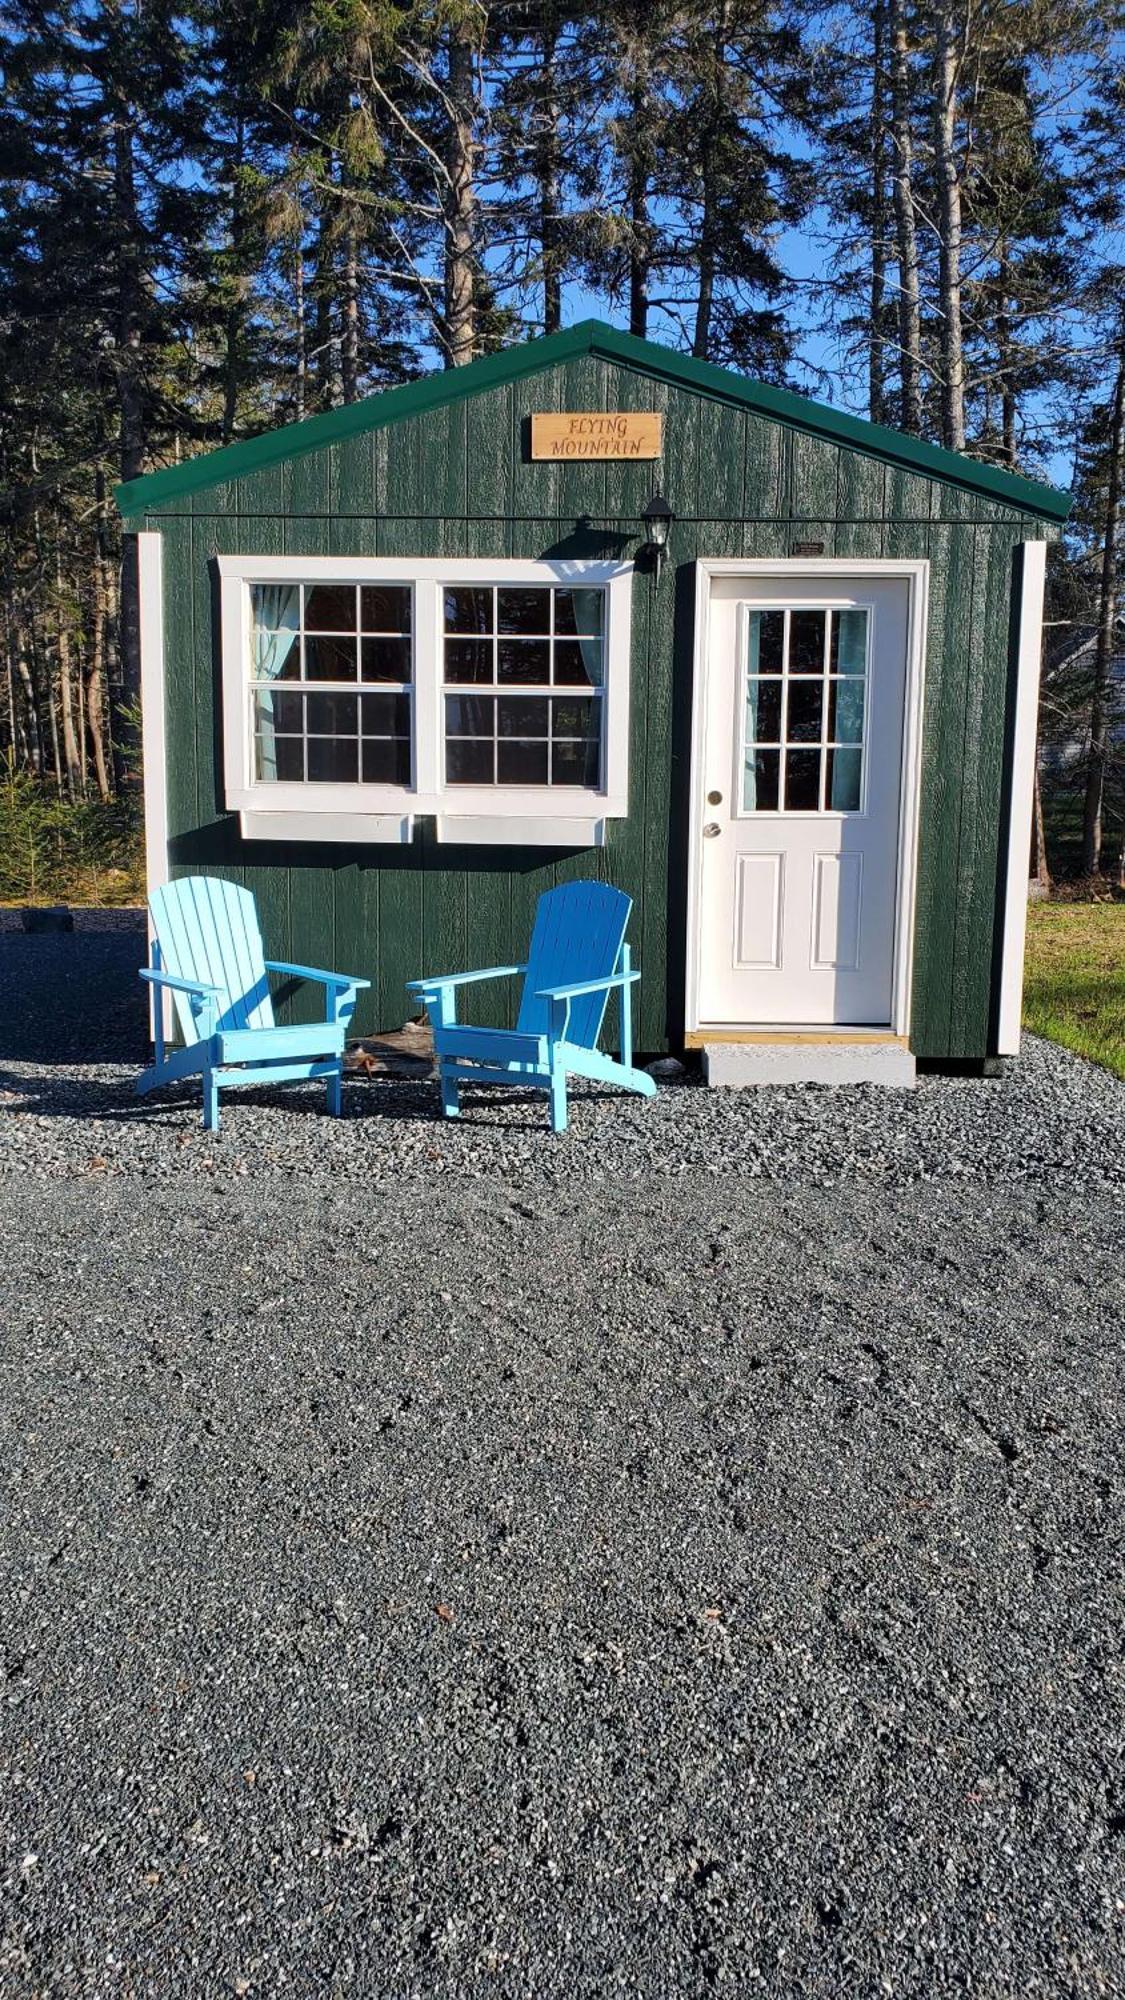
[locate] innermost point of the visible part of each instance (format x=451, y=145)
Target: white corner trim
x=916, y=573
x=150, y=587
x=1033, y=569
x=386, y=829
x=477, y=830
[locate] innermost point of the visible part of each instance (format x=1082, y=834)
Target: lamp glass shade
x=657, y=518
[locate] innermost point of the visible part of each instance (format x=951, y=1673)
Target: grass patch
x=1074, y=984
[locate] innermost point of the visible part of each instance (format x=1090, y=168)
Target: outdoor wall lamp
x=658, y=518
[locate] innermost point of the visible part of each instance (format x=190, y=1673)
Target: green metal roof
x=590, y=336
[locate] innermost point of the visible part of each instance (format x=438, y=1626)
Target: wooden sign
x=596, y=434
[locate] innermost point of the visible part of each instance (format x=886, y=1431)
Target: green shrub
x=52, y=851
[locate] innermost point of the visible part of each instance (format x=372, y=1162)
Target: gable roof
x=590, y=336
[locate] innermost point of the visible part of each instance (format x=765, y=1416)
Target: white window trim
x=521, y=815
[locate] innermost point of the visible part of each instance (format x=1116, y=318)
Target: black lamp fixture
x=658, y=518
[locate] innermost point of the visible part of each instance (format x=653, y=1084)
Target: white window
x=359, y=692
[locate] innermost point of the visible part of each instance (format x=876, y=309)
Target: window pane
x=527, y=660
x=385, y=659
x=806, y=642
x=468, y=763
x=574, y=717
x=469, y=715
x=521, y=716
x=521, y=763
x=385, y=607
x=576, y=763
x=845, y=710
x=386, y=760
x=330, y=607
x=844, y=771
x=806, y=705
x=578, y=663
x=330, y=659
x=763, y=711
x=282, y=712
x=523, y=610
x=802, y=780
x=468, y=610
x=275, y=650
x=279, y=759
x=579, y=612
x=848, y=644
x=760, y=781
x=767, y=634
x=385, y=714
x=333, y=760
x=332, y=714
x=468, y=660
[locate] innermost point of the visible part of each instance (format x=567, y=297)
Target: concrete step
x=731, y=1065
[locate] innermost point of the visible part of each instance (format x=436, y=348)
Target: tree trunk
x=1005, y=356
x=349, y=347
x=1103, y=652
x=549, y=173
x=709, y=224
x=949, y=234
x=906, y=235
x=302, y=331
x=876, y=355
x=1039, y=833
x=460, y=203
x=96, y=680
x=71, y=750
x=232, y=359
x=130, y=313
x=34, y=720
x=640, y=227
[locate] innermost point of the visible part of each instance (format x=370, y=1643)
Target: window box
x=360, y=692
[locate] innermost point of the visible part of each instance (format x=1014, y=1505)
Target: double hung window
x=359, y=693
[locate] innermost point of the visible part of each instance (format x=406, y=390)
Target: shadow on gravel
x=111, y=1101
x=72, y=997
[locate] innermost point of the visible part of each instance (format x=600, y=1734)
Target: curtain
x=277, y=620
x=588, y=618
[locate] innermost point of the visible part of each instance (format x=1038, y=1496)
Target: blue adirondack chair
x=578, y=956
x=207, y=953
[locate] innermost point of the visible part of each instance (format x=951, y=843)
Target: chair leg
x=336, y=1094
x=450, y=1101
x=558, y=1100
x=210, y=1100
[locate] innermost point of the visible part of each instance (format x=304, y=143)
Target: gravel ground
x=684, y=1556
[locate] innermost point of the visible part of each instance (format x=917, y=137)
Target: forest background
x=216, y=219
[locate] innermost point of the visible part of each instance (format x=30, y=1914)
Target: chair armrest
x=311, y=972
x=422, y=986
x=586, y=986
x=169, y=979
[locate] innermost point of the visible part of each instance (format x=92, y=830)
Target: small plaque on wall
x=566, y=434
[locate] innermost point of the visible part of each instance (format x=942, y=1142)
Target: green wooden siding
x=454, y=481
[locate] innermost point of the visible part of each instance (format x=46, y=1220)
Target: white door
x=800, y=800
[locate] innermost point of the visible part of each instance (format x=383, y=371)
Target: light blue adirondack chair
x=578, y=956
x=207, y=953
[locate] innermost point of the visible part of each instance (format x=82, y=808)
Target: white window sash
x=466, y=812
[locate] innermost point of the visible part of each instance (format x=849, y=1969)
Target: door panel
x=803, y=741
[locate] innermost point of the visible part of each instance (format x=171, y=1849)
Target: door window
x=805, y=708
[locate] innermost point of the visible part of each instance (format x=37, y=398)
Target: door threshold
x=848, y=1037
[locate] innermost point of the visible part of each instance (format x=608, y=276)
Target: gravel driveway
x=684, y=1556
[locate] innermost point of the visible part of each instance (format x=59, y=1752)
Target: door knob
x=711, y=829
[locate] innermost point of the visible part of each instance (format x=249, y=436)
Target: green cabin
x=588, y=607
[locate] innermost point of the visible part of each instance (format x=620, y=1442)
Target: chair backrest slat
x=579, y=931
x=208, y=930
